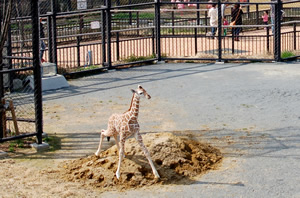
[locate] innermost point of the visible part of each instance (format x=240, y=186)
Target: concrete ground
x=249, y=111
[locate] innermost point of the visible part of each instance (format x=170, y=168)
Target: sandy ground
x=250, y=112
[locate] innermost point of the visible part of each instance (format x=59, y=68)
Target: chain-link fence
x=20, y=87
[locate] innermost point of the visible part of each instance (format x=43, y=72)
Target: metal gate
x=20, y=73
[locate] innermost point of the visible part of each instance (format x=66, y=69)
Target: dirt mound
x=177, y=160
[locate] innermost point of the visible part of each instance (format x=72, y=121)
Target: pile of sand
x=177, y=160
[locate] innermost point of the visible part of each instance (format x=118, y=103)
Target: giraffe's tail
x=108, y=138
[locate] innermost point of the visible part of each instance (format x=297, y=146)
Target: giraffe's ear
x=133, y=91
x=140, y=87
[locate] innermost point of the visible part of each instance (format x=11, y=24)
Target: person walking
x=213, y=15
x=236, y=17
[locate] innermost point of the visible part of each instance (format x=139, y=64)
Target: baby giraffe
x=125, y=125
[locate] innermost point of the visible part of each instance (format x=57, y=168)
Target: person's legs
x=213, y=31
x=272, y=22
x=42, y=49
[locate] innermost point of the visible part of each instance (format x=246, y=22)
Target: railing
x=154, y=29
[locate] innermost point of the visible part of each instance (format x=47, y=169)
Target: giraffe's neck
x=134, y=107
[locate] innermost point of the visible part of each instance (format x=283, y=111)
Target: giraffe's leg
x=121, y=154
x=147, y=154
x=100, y=143
x=117, y=142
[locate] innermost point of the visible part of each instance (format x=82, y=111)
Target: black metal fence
x=88, y=35
x=20, y=75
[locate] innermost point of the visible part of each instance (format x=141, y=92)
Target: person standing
x=236, y=16
x=223, y=7
x=265, y=17
x=272, y=8
x=213, y=15
x=42, y=43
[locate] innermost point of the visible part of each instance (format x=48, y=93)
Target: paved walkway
x=250, y=111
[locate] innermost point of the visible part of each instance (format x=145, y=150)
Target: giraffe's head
x=140, y=91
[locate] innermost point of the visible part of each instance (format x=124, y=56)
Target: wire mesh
x=17, y=100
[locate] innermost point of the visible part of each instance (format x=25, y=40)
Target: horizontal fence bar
x=18, y=57
x=136, y=10
x=208, y=26
x=133, y=5
x=17, y=137
x=16, y=70
x=207, y=3
x=290, y=22
x=135, y=62
x=134, y=29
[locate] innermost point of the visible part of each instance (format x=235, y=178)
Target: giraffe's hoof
x=118, y=175
x=156, y=175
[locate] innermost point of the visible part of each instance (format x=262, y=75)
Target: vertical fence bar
x=277, y=34
x=232, y=41
x=54, y=34
x=219, y=32
x=206, y=19
x=257, y=16
x=130, y=13
x=157, y=26
x=295, y=36
x=50, y=38
x=196, y=43
x=118, y=45
x=1, y=90
x=173, y=22
x=103, y=37
x=108, y=29
x=268, y=39
x=153, y=40
x=37, y=71
x=137, y=23
x=78, y=50
x=198, y=13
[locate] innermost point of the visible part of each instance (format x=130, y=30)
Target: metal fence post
x=257, y=16
x=130, y=13
x=137, y=23
x=295, y=36
x=37, y=71
x=118, y=45
x=268, y=39
x=232, y=41
x=277, y=33
x=108, y=29
x=219, y=32
x=153, y=39
x=103, y=36
x=50, y=38
x=78, y=50
x=173, y=22
x=157, y=26
x=54, y=34
x=206, y=19
x=1, y=89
